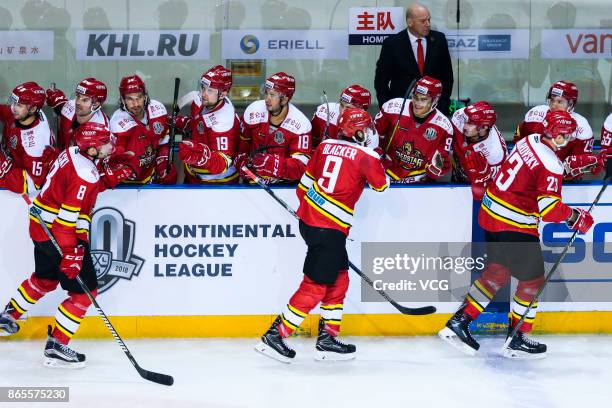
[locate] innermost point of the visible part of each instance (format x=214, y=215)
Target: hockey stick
x=326, y=102
x=158, y=378
x=57, y=119
x=399, y=117
x=175, y=111
x=403, y=309
x=558, y=262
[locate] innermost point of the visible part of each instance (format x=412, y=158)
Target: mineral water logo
x=249, y=44
x=112, y=245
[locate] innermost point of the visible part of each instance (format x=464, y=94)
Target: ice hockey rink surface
x=388, y=372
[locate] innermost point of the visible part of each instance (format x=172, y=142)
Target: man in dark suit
x=412, y=54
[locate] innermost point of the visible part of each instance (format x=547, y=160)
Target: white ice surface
x=388, y=372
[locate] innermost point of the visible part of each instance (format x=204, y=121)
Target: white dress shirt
x=413, y=42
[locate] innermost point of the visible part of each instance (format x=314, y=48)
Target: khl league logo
x=249, y=44
x=112, y=243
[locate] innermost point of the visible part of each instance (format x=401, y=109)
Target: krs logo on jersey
x=112, y=243
x=148, y=44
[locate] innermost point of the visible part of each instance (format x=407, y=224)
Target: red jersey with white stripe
x=219, y=129
x=143, y=138
x=333, y=182
x=414, y=143
x=67, y=199
x=606, y=135
x=319, y=121
x=68, y=123
x=582, y=143
x=527, y=189
x=292, y=139
x=25, y=144
x=493, y=149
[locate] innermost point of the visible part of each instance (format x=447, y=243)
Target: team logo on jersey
x=430, y=134
x=201, y=127
x=112, y=245
x=279, y=138
x=158, y=128
x=409, y=157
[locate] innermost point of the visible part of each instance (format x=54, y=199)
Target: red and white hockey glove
x=163, y=176
x=440, y=164
x=476, y=165
x=6, y=163
x=111, y=176
x=182, y=123
x=55, y=98
x=194, y=154
x=72, y=261
x=579, y=164
x=269, y=165
x=241, y=160
x=580, y=220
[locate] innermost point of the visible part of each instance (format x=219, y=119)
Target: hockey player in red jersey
x=606, y=137
x=277, y=135
x=328, y=190
x=66, y=203
x=526, y=191
x=417, y=148
x=90, y=94
x=215, y=131
x=478, y=147
x=141, y=128
x=325, y=124
x=27, y=140
x=563, y=96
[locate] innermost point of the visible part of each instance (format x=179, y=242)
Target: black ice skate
x=58, y=355
x=522, y=347
x=8, y=325
x=273, y=345
x=329, y=348
x=457, y=334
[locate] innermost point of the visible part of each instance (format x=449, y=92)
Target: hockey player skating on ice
x=66, y=202
x=27, y=140
x=478, y=147
x=141, y=128
x=527, y=190
x=328, y=190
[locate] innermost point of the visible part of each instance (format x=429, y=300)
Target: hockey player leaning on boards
x=277, y=138
x=66, y=202
x=215, y=131
x=577, y=156
x=527, y=190
x=606, y=137
x=325, y=124
x=141, y=128
x=418, y=146
x=478, y=147
x=26, y=153
x=90, y=94
x=328, y=191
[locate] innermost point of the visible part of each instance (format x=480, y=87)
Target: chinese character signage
x=371, y=25
x=26, y=45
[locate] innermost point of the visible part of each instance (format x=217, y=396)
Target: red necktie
x=420, y=56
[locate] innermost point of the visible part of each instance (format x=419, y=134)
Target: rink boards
x=208, y=262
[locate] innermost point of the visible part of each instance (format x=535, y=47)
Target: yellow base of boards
x=253, y=326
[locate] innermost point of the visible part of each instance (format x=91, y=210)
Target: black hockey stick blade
x=416, y=311
x=163, y=379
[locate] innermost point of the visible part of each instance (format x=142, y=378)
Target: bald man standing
x=413, y=53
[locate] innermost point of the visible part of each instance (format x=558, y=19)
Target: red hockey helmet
x=131, y=84
x=91, y=134
x=481, y=114
x=218, y=77
x=93, y=88
x=354, y=124
x=28, y=93
x=559, y=123
x=566, y=90
x=281, y=82
x=356, y=95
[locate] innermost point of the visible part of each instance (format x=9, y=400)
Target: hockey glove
x=181, y=124
x=439, y=164
x=269, y=165
x=163, y=176
x=72, y=261
x=194, y=154
x=476, y=165
x=55, y=98
x=5, y=164
x=111, y=176
x=579, y=164
x=580, y=220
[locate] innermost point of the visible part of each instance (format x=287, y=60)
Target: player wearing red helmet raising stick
x=26, y=153
x=65, y=203
x=478, y=147
x=417, y=140
x=328, y=191
x=277, y=135
x=141, y=128
x=90, y=94
x=526, y=191
x=215, y=131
